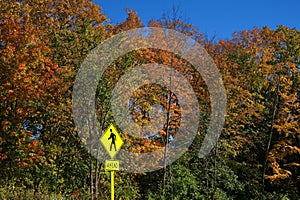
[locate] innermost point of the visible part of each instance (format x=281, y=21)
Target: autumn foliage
x=43, y=43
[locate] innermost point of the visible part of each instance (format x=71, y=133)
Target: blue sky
x=212, y=17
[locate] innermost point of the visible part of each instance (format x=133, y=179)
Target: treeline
x=42, y=45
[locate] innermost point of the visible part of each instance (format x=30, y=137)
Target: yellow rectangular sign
x=112, y=165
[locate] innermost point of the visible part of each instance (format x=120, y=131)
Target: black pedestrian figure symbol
x=113, y=140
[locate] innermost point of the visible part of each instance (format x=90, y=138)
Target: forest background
x=42, y=45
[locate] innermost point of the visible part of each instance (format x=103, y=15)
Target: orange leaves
x=38, y=62
x=5, y=125
x=3, y=156
x=140, y=145
x=132, y=21
x=54, y=67
x=22, y=66
x=23, y=164
x=32, y=146
x=257, y=70
x=278, y=161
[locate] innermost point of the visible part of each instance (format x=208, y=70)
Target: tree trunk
x=167, y=133
x=271, y=133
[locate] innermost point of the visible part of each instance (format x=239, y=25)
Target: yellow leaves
x=27, y=80
x=16, y=5
x=293, y=164
x=279, y=160
x=279, y=174
x=294, y=150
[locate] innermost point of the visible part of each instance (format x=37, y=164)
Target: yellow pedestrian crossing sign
x=111, y=141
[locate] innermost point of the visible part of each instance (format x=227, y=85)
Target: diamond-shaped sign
x=112, y=141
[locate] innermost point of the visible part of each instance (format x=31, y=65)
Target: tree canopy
x=42, y=46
